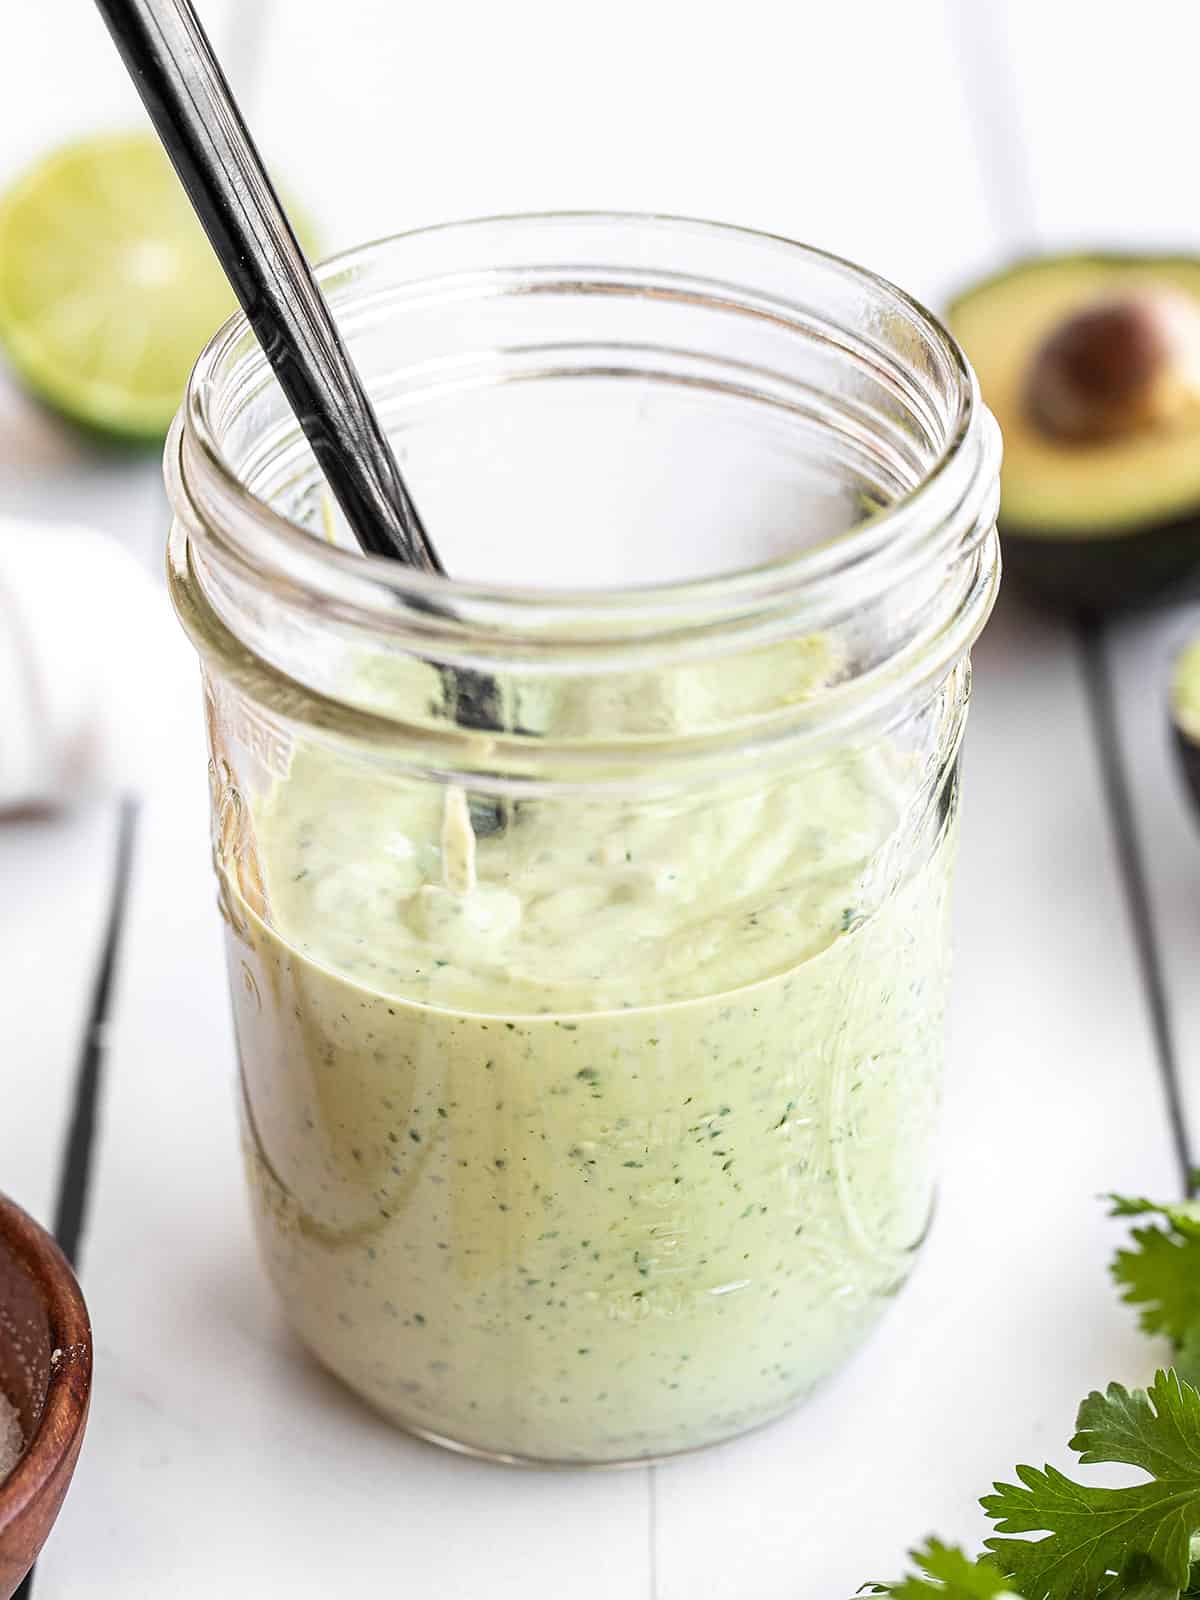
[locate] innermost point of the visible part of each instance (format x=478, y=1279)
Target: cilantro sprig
x=1101, y=1541
x=1130, y=1543
x=1159, y=1272
x=1057, y=1539
x=944, y=1572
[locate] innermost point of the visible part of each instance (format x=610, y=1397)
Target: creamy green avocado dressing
x=607, y=1134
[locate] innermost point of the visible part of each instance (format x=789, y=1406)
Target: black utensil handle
x=193, y=110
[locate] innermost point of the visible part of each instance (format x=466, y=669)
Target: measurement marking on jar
x=242, y=723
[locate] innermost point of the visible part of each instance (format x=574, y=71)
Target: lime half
x=108, y=286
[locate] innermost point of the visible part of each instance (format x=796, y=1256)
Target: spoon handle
x=197, y=119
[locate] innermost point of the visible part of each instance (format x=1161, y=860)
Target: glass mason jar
x=587, y=917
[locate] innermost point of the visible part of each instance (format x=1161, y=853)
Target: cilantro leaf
x=1131, y=1205
x=1099, y=1542
x=947, y=1574
x=1141, y=1580
x=1161, y=1274
x=1182, y=1215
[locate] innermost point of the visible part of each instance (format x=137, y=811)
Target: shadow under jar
x=587, y=917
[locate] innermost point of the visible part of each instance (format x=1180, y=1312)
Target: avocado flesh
x=1089, y=526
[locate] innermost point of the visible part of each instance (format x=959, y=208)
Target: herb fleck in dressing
x=606, y=1135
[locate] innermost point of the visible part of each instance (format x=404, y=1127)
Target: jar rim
x=199, y=473
x=247, y=581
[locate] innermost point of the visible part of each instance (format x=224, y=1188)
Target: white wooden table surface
x=929, y=140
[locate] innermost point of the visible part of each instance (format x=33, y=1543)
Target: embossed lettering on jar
x=591, y=1057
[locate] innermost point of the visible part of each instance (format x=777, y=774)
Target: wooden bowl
x=46, y=1372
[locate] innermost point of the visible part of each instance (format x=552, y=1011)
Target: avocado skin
x=1188, y=755
x=1120, y=572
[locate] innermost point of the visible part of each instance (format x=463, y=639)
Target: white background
x=932, y=141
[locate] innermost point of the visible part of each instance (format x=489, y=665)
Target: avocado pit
x=1119, y=365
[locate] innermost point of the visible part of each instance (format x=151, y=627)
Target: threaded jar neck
x=581, y=388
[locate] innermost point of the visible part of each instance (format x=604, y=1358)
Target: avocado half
x=1100, y=491
x=1185, y=715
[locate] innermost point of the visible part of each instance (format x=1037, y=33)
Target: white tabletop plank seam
x=1098, y=671
x=80, y=1132
x=982, y=41
x=70, y=1217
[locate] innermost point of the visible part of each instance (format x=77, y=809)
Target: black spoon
x=192, y=107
